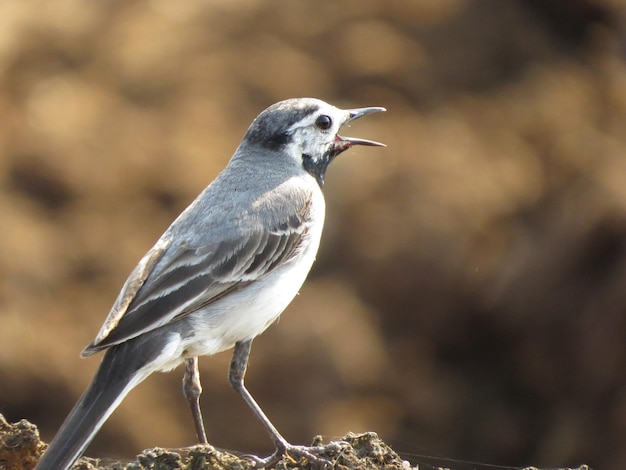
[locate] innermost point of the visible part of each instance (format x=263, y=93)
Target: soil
x=21, y=447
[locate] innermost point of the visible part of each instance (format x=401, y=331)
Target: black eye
x=324, y=122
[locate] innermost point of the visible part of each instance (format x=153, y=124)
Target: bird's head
x=306, y=130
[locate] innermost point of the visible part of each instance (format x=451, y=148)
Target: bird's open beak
x=342, y=144
x=357, y=113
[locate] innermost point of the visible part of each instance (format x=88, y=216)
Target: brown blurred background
x=469, y=299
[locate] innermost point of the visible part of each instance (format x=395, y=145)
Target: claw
x=300, y=452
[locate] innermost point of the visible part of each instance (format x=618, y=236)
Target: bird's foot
x=311, y=453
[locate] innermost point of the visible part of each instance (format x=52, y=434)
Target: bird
x=222, y=273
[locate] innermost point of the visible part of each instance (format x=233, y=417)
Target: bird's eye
x=324, y=122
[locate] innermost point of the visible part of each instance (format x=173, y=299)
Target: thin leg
x=192, y=390
x=236, y=375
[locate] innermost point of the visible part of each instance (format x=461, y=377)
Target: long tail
x=122, y=368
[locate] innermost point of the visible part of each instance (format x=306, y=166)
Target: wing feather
x=129, y=291
x=194, y=277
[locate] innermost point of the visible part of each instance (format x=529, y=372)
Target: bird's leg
x=192, y=390
x=236, y=375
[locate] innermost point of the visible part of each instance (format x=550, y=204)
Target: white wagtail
x=220, y=274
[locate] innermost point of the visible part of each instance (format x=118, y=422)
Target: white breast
x=247, y=313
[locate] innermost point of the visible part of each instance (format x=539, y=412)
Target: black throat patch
x=317, y=168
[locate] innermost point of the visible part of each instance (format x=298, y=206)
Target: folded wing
x=158, y=293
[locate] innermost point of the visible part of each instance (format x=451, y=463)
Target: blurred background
x=469, y=298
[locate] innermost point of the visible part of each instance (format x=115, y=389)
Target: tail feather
x=122, y=368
